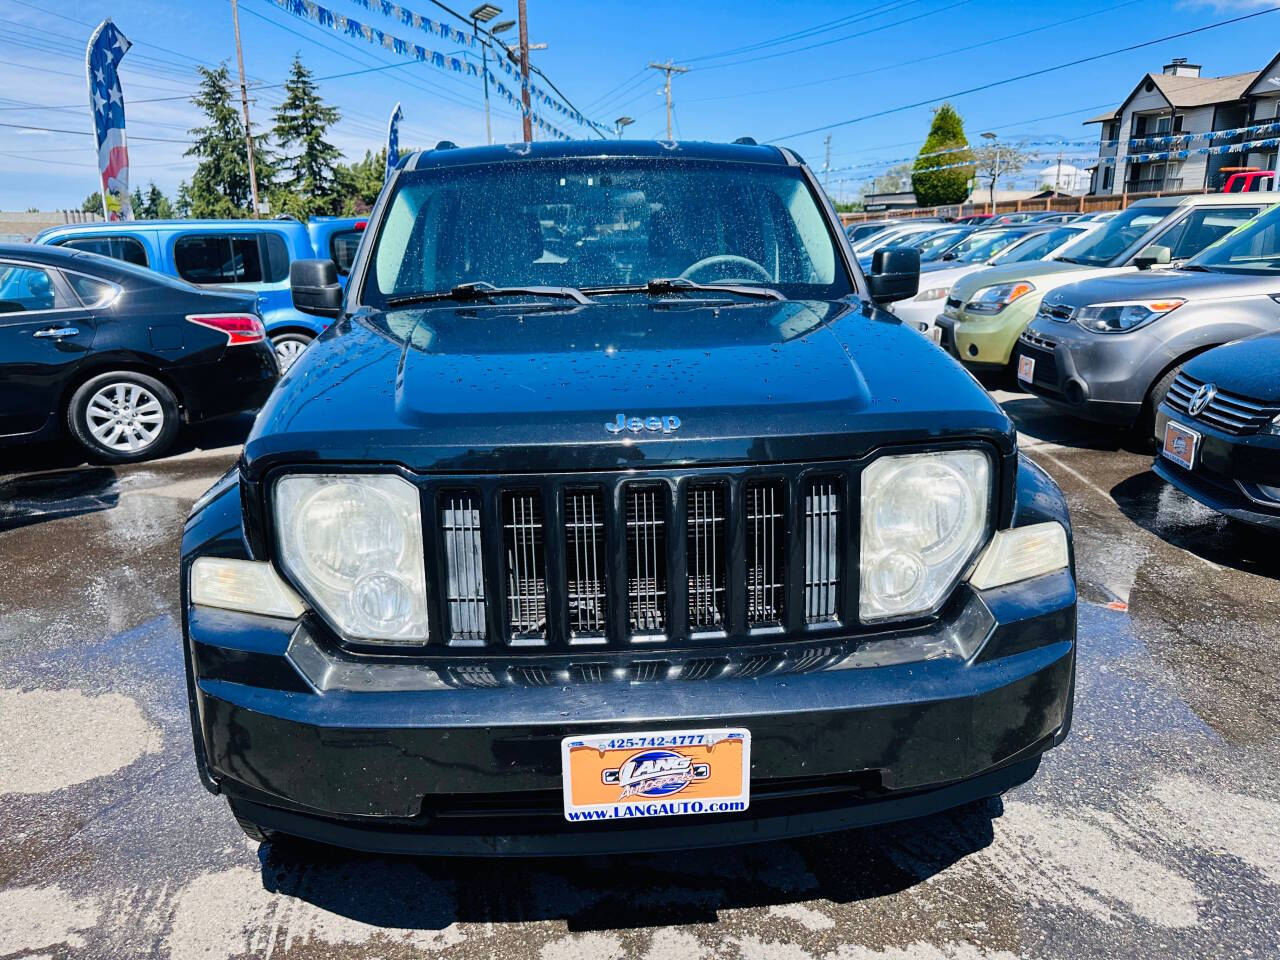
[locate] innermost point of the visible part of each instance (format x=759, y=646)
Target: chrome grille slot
x=1225, y=411
x=705, y=518
x=526, y=564
x=585, y=562
x=821, y=550
x=464, y=590
x=646, y=559
x=766, y=553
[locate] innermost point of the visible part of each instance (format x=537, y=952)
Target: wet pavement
x=1154, y=831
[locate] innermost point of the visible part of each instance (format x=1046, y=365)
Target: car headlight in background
x=1124, y=316
x=933, y=293
x=354, y=544
x=995, y=298
x=923, y=516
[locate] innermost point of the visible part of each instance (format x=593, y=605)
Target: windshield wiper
x=480, y=290
x=661, y=285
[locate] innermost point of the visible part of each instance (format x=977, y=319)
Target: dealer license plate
x=1180, y=444
x=628, y=776
x=1026, y=368
x=935, y=333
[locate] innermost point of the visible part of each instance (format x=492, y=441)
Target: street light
x=483, y=14
x=502, y=27
x=996, y=176
x=621, y=123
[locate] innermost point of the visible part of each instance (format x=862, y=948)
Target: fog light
x=1021, y=553
x=245, y=585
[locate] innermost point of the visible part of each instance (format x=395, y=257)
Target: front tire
x=288, y=347
x=123, y=417
x=1145, y=428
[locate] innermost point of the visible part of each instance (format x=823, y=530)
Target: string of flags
x=436, y=28
x=1209, y=135
x=340, y=23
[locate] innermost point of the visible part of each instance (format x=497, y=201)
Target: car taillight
x=240, y=328
x=361, y=224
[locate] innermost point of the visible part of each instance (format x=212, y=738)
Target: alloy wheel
x=288, y=349
x=124, y=417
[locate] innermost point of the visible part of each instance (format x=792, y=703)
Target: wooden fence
x=1082, y=204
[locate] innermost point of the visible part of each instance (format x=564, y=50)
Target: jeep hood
x=531, y=388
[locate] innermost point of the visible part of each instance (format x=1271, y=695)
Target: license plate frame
x=1176, y=438
x=1026, y=368
x=629, y=776
x=935, y=334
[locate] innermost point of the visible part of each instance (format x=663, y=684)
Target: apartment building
x=1158, y=139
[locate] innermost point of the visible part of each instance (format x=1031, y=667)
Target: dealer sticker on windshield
x=627, y=776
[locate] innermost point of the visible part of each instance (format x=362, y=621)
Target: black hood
x=509, y=389
x=1247, y=368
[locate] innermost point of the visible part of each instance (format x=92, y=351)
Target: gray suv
x=1108, y=348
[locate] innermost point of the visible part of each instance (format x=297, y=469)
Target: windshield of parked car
x=1099, y=248
x=933, y=245
x=604, y=222
x=861, y=231
x=978, y=247
x=1036, y=246
x=1251, y=248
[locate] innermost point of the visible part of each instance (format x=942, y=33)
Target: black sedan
x=1219, y=430
x=119, y=355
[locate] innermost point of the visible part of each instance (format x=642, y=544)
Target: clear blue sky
x=866, y=62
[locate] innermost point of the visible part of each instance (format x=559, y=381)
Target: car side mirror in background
x=895, y=274
x=315, y=287
x=1151, y=256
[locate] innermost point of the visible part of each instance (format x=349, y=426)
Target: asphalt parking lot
x=1154, y=831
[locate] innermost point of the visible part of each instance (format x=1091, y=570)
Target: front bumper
x=399, y=761
x=986, y=343
x=1224, y=468
x=1073, y=378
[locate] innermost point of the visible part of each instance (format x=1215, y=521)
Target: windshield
x=604, y=222
x=862, y=231
x=1252, y=248
x=934, y=245
x=977, y=247
x=1099, y=248
x=1037, y=246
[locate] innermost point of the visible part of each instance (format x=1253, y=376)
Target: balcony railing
x=1153, y=185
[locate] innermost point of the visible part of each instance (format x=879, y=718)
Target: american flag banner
x=393, y=141
x=106, y=47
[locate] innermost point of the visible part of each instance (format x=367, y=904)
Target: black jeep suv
x=612, y=513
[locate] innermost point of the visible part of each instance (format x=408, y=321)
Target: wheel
x=251, y=830
x=1145, y=428
x=289, y=347
x=123, y=417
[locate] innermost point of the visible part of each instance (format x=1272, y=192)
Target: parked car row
x=1115, y=320
x=249, y=255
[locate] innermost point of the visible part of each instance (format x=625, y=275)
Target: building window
x=1108, y=176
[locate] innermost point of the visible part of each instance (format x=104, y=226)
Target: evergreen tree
x=136, y=201
x=92, y=203
x=359, y=183
x=154, y=205
x=220, y=186
x=182, y=205
x=937, y=187
x=308, y=163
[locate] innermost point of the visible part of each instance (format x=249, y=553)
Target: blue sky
x=845, y=60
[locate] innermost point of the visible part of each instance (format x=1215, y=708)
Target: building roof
x=1203, y=91
x=1103, y=117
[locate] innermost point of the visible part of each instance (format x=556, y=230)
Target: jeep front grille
x=460, y=523
x=585, y=563
x=667, y=559
x=821, y=554
x=766, y=560
x=646, y=559
x=526, y=565
x=705, y=556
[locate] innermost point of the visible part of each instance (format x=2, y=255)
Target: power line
x=1026, y=76
x=85, y=133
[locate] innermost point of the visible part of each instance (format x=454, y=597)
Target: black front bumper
x=451, y=769
x=1225, y=465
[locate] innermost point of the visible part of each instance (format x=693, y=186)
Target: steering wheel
x=725, y=260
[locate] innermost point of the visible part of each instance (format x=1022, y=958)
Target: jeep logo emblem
x=667, y=424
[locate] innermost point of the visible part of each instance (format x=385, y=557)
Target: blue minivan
x=244, y=254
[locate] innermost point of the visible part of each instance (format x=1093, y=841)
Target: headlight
x=1125, y=316
x=923, y=516
x=1275, y=426
x=995, y=298
x=933, y=293
x=354, y=544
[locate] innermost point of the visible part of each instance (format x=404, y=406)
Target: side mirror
x=895, y=274
x=315, y=287
x=1149, y=257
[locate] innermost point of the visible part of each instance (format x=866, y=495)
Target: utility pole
x=668, y=68
x=524, y=71
x=826, y=165
x=244, y=102
x=1057, y=176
